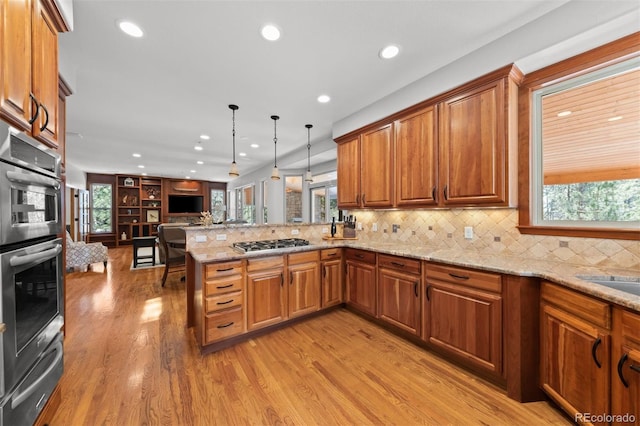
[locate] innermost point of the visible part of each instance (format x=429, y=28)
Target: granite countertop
x=558, y=272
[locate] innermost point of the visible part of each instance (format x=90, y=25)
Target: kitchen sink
x=626, y=284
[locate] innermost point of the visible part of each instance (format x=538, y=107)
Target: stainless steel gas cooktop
x=250, y=246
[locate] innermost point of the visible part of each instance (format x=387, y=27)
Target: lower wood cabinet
x=332, y=290
x=625, y=380
x=575, y=346
x=463, y=314
x=304, y=283
x=265, y=292
x=361, y=280
x=399, y=289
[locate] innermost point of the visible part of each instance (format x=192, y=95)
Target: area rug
x=146, y=263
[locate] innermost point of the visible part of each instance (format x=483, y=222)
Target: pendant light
x=308, y=177
x=275, y=175
x=234, y=167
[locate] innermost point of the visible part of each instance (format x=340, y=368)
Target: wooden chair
x=172, y=247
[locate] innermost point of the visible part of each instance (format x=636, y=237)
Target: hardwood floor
x=129, y=360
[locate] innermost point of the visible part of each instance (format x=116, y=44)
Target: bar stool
x=140, y=242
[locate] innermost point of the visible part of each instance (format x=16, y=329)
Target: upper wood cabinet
x=29, y=71
x=456, y=149
x=377, y=166
x=348, y=167
x=416, y=158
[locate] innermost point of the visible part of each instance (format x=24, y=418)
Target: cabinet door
x=377, y=167
x=574, y=366
x=625, y=369
x=466, y=322
x=348, y=170
x=45, y=75
x=15, y=63
x=361, y=287
x=266, y=303
x=399, y=299
x=473, y=144
x=331, y=283
x=304, y=289
x=416, y=159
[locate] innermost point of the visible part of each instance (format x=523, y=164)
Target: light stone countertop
x=558, y=272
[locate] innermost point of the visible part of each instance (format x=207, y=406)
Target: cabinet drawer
x=265, y=263
x=410, y=266
x=304, y=257
x=330, y=254
x=227, y=285
x=631, y=326
x=587, y=308
x=463, y=276
x=224, y=324
x=217, y=270
x=360, y=256
x=225, y=301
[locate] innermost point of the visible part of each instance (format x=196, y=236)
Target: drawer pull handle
x=324, y=271
x=399, y=264
x=460, y=277
x=226, y=325
x=225, y=286
x=332, y=254
x=434, y=194
x=224, y=303
x=635, y=368
x=359, y=256
x=290, y=277
x=594, y=348
x=427, y=293
x=621, y=362
x=446, y=198
x=46, y=118
x=415, y=288
x=34, y=101
x=281, y=279
x=224, y=270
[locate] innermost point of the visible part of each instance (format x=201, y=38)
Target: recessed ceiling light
x=323, y=99
x=200, y=162
x=564, y=113
x=389, y=52
x=135, y=154
x=140, y=166
x=242, y=154
x=205, y=137
x=255, y=145
x=198, y=146
x=144, y=173
x=192, y=171
x=616, y=118
x=187, y=177
x=270, y=32
x=130, y=28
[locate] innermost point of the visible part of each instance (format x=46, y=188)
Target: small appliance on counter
x=349, y=230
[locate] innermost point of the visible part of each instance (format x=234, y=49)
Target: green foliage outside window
x=101, y=202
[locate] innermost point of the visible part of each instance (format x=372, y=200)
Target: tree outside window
x=101, y=208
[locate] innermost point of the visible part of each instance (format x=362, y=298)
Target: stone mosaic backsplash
x=494, y=231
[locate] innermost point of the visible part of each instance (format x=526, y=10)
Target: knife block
x=348, y=232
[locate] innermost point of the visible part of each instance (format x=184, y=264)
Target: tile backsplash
x=494, y=231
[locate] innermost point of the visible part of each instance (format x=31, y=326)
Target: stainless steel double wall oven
x=31, y=280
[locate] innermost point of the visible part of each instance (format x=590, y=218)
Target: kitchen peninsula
x=414, y=287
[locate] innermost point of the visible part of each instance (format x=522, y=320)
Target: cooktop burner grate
x=250, y=246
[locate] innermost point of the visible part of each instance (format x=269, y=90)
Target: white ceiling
x=156, y=95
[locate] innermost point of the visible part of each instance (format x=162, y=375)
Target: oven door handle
x=22, y=396
x=35, y=257
x=32, y=178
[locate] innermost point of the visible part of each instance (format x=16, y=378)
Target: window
x=245, y=204
x=582, y=175
x=101, y=210
x=293, y=198
x=218, y=206
x=324, y=198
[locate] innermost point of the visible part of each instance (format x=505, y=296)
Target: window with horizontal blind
x=586, y=150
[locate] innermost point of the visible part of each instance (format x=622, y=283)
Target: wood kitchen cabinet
x=361, y=280
x=266, y=294
x=304, y=283
x=625, y=369
x=221, y=306
x=416, y=158
x=348, y=169
x=575, y=350
x=377, y=153
x=29, y=74
x=399, y=288
x=463, y=315
x=332, y=289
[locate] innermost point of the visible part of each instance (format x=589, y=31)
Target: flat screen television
x=186, y=203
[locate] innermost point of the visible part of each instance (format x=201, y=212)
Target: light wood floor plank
x=129, y=360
